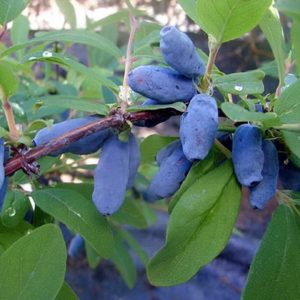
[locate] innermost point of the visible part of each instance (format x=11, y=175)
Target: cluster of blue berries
x=198, y=125
x=117, y=166
x=256, y=165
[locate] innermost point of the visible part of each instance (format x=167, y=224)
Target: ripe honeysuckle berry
x=167, y=151
x=111, y=176
x=180, y=53
x=161, y=84
x=172, y=171
x=247, y=155
x=262, y=193
x=3, y=189
x=76, y=246
x=198, y=127
x=2, y=157
x=134, y=159
x=85, y=145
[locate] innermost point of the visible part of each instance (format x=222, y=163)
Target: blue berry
x=180, y=53
x=198, y=127
x=134, y=159
x=172, y=171
x=167, y=151
x=247, y=155
x=2, y=157
x=111, y=176
x=161, y=84
x=85, y=145
x=76, y=246
x=3, y=189
x=262, y=193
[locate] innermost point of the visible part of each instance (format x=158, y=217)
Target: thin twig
x=10, y=119
x=117, y=120
x=124, y=95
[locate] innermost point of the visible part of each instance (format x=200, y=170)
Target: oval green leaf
x=275, y=271
x=10, y=9
x=272, y=29
x=199, y=227
x=239, y=114
x=230, y=19
x=34, y=264
x=79, y=214
x=244, y=83
x=72, y=36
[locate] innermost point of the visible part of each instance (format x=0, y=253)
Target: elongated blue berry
x=2, y=155
x=173, y=169
x=262, y=193
x=180, y=53
x=167, y=151
x=247, y=155
x=134, y=159
x=3, y=189
x=161, y=84
x=198, y=127
x=85, y=145
x=111, y=176
x=75, y=246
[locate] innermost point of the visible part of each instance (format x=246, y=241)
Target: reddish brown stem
x=13, y=131
x=116, y=120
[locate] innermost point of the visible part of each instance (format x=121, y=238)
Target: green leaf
x=79, y=214
x=66, y=293
x=275, y=271
x=239, y=114
x=3, y=132
x=295, y=33
x=240, y=83
x=272, y=29
x=9, y=235
x=92, y=257
x=197, y=171
x=131, y=213
x=8, y=80
x=35, y=263
x=72, y=36
x=68, y=11
x=180, y=106
x=73, y=102
x=287, y=107
x=20, y=30
x=135, y=246
x=151, y=145
x=123, y=262
x=56, y=58
x=292, y=140
x=230, y=19
x=14, y=208
x=10, y=9
x=289, y=7
x=199, y=227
